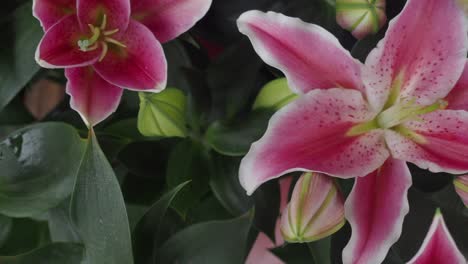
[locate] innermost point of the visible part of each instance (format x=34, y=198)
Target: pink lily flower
x=109, y=45
x=438, y=246
x=355, y=120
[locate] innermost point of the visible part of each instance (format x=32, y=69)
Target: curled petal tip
x=461, y=187
x=361, y=18
x=438, y=246
x=315, y=210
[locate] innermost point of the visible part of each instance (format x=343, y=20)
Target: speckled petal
x=421, y=56
x=309, y=56
x=310, y=134
x=443, y=146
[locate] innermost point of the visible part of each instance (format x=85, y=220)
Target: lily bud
x=361, y=17
x=315, y=210
x=461, y=186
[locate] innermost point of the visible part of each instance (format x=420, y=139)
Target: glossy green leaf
x=38, y=166
x=209, y=242
x=17, y=54
x=162, y=114
x=275, y=95
x=61, y=227
x=224, y=182
x=98, y=210
x=55, y=253
x=188, y=161
x=149, y=235
x=235, y=138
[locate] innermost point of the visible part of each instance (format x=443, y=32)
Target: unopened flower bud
x=315, y=210
x=361, y=17
x=461, y=186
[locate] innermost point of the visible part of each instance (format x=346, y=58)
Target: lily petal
x=441, y=144
x=49, y=12
x=422, y=55
x=461, y=187
x=91, y=12
x=457, y=99
x=375, y=209
x=167, y=19
x=141, y=66
x=309, y=134
x=438, y=246
x=59, y=46
x=309, y=56
x=260, y=252
x=91, y=96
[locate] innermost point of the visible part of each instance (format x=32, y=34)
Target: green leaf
x=274, y=95
x=162, y=114
x=224, y=182
x=188, y=161
x=210, y=242
x=267, y=208
x=235, y=138
x=60, y=226
x=38, y=166
x=234, y=78
x=321, y=250
x=148, y=235
x=17, y=53
x=55, y=253
x=126, y=129
x=98, y=210
x=36, y=233
x=6, y=223
x=15, y=113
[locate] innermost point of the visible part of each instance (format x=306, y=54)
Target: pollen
x=100, y=37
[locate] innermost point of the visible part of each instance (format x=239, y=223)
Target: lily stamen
x=406, y=111
x=116, y=42
x=111, y=32
x=92, y=43
x=105, y=48
x=104, y=22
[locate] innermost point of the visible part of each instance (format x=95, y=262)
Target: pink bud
x=461, y=186
x=315, y=210
x=361, y=17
